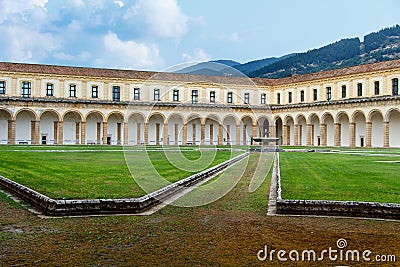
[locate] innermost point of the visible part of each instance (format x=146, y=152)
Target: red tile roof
x=190, y=78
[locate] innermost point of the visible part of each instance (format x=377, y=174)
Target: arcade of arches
x=351, y=128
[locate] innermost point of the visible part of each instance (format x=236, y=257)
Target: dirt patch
x=179, y=236
x=228, y=232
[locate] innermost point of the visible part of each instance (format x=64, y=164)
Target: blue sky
x=158, y=34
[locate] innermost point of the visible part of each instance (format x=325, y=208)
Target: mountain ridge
x=376, y=47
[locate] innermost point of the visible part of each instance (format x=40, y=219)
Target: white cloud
x=26, y=45
x=197, y=55
x=163, y=18
x=11, y=7
x=83, y=56
x=128, y=54
x=64, y=56
x=232, y=37
x=76, y=3
x=120, y=3
x=74, y=26
x=117, y=33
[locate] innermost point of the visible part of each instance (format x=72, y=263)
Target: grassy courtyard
x=356, y=175
x=227, y=232
x=79, y=172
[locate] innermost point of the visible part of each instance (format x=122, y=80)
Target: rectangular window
x=49, y=89
x=263, y=99
x=176, y=95
x=2, y=87
x=328, y=93
x=395, y=86
x=302, y=96
x=212, y=96
x=95, y=91
x=195, y=96
x=290, y=97
x=278, y=98
x=246, y=98
x=156, y=94
x=344, y=91
x=72, y=90
x=26, y=89
x=359, y=89
x=376, y=86
x=230, y=97
x=116, y=93
x=315, y=94
x=136, y=94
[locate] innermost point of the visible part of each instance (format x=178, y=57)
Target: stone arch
x=49, y=127
x=212, y=124
x=175, y=123
x=393, y=117
x=315, y=130
x=117, y=114
x=328, y=138
x=53, y=111
x=26, y=127
x=231, y=116
x=115, y=128
x=389, y=112
x=311, y=117
x=94, y=127
x=299, y=117
x=6, y=135
x=278, y=128
x=287, y=118
x=6, y=113
x=96, y=113
x=375, y=122
x=155, y=126
x=72, y=112
x=34, y=114
x=301, y=121
x=277, y=117
x=229, y=130
x=175, y=115
x=289, y=128
x=264, y=127
x=357, y=113
x=194, y=129
x=136, y=126
x=155, y=114
x=245, y=130
x=325, y=116
x=372, y=113
x=193, y=116
x=213, y=117
x=343, y=131
x=72, y=133
x=360, y=130
x=251, y=118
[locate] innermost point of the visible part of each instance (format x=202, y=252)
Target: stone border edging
x=331, y=208
x=274, y=190
x=339, y=208
x=54, y=207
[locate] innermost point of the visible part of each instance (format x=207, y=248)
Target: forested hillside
x=378, y=46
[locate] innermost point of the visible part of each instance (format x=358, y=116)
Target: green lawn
x=320, y=176
x=79, y=172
